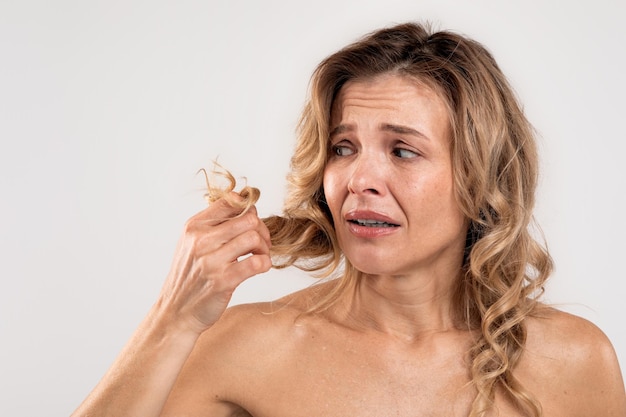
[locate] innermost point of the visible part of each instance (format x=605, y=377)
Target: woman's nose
x=367, y=175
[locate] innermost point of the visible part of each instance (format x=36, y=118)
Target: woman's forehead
x=390, y=100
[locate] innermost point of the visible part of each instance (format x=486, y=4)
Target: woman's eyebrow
x=403, y=130
x=338, y=130
x=399, y=129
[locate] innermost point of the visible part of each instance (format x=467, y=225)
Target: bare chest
x=352, y=378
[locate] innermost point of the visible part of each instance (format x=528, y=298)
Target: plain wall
x=108, y=109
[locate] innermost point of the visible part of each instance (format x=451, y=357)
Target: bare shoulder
x=260, y=324
x=566, y=335
x=247, y=332
x=233, y=361
x=571, y=364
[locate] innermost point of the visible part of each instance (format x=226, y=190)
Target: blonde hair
x=495, y=172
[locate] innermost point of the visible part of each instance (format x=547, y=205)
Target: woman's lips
x=369, y=224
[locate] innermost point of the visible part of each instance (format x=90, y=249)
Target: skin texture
x=390, y=348
x=263, y=360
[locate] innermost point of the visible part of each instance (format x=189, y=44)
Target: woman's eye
x=342, y=150
x=404, y=153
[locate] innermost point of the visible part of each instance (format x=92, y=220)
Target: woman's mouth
x=372, y=223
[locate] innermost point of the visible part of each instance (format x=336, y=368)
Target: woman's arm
x=572, y=368
x=139, y=381
x=204, y=274
x=600, y=383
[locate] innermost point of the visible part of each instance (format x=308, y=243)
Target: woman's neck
x=405, y=307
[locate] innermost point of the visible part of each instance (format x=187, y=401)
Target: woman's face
x=389, y=182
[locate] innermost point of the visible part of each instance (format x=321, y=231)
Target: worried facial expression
x=389, y=179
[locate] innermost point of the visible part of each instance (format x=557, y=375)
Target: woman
x=413, y=181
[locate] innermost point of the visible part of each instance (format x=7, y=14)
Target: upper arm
x=216, y=369
x=235, y=364
x=599, y=379
x=571, y=366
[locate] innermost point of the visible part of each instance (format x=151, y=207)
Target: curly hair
x=495, y=167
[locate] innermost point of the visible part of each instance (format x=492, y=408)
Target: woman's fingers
x=242, y=257
x=221, y=222
x=219, y=211
x=211, y=238
x=220, y=248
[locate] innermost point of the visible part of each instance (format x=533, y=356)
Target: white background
x=108, y=109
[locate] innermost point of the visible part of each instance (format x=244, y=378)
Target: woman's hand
x=218, y=250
